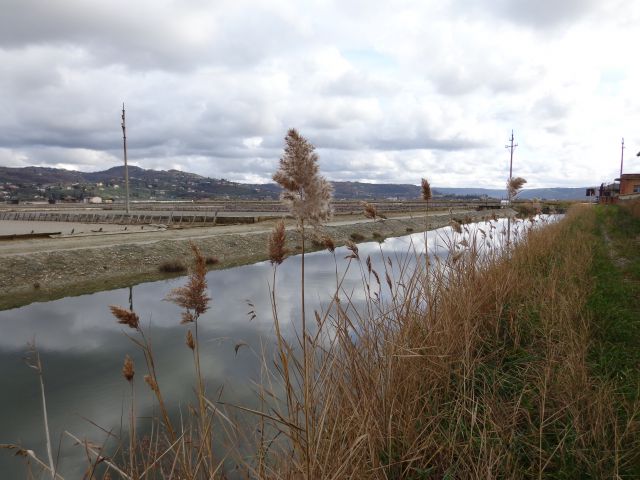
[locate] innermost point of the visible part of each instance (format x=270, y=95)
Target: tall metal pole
x=621, y=158
x=126, y=168
x=511, y=146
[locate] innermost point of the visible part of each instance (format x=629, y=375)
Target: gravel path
x=43, y=269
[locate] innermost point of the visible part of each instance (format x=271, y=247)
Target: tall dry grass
x=473, y=367
x=478, y=372
x=476, y=369
x=633, y=206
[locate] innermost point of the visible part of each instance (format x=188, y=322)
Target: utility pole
x=126, y=168
x=511, y=146
x=621, y=157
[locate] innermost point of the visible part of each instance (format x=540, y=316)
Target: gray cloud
x=409, y=90
x=542, y=14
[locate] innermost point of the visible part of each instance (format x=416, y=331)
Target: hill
x=34, y=183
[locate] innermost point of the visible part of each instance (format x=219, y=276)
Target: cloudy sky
x=387, y=91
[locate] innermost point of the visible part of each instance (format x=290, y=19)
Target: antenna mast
x=126, y=168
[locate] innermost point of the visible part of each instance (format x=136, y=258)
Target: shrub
x=172, y=266
x=211, y=260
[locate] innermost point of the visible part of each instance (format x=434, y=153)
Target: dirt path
x=43, y=269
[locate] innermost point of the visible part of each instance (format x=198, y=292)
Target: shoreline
x=48, y=269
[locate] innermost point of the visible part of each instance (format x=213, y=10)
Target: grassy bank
x=498, y=363
x=615, y=302
x=514, y=364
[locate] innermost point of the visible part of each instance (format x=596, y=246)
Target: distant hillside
x=39, y=175
x=137, y=173
x=351, y=190
x=558, y=193
x=40, y=182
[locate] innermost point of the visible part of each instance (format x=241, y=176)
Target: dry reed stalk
x=465, y=386
x=277, y=244
x=131, y=319
x=514, y=185
x=194, y=300
x=370, y=210
x=33, y=361
x=128, y=372
x=426, y=196
x=308, y=195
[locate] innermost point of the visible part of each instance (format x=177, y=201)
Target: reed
x=370, y=211
x=480, y=366
x=308, y=195
x=481, y=371
x=426, y=196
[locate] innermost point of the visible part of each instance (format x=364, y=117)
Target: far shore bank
x=53, y=268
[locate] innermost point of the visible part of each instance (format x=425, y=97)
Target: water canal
x=82, y=347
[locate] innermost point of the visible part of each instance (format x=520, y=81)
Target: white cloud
x=387, y=92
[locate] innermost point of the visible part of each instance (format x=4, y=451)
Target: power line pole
x=126, y=168
x=621, y=157
x=511, y=146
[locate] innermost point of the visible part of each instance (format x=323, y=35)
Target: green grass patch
x=615, y=301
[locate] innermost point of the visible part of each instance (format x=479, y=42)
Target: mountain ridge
x=167, y=184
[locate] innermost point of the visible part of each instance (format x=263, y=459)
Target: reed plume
x=370, y=210
x=514, y=185
x=277, y=241
x=426, y=190
x=353, y=248
x=307, y=193
x=328, y=243
x=189, y=340
x=193, y=296
x=125, y=316
x=456, y=226
x=127, y=369
x=153, y=385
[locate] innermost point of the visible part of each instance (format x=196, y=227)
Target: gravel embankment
x=56, y=270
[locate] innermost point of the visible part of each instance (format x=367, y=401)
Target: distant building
x=608, y=193
x=630, y=184
x=624, y=188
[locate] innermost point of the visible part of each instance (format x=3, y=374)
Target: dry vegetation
x=480, y=365
x=481, y=369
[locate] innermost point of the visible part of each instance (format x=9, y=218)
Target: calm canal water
x=82, y=347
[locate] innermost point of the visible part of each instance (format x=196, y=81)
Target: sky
x=388, y=92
